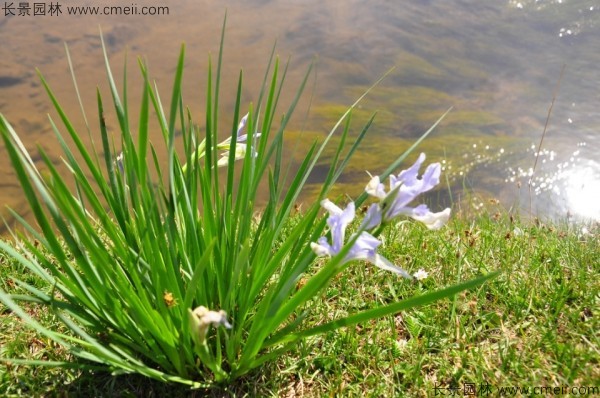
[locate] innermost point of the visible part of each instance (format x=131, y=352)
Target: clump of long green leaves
x=141, y=260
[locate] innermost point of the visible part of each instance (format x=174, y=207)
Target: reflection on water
x=570, y=182
x=583, y=190
x=496, y=63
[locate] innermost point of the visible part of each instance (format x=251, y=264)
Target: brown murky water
x=496, y=63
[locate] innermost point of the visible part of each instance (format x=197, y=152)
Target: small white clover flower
x=401, y=344
x=518, y=231
x=201, y=319
x=421, y=274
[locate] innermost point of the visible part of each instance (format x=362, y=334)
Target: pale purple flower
x=241, y=147
x=404, y=188
x=241, y=136
x=372, y=217
x=119, y=162
x=338, y=221
x=364, y=246
x=241, y=128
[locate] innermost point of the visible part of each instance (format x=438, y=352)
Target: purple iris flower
x=404, y=188
x=364, y=246
x=241, y=147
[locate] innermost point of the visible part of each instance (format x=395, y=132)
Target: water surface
x=496, y=63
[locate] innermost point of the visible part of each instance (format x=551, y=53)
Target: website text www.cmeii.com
x=485, y=390
x=28, y=9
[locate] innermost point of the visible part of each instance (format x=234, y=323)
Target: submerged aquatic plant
x=182, y=277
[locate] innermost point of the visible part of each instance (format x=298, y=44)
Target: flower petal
x=433, y=220
x=338, y=221
x=385, y=264
x=372, y=217
x=375, y=188
x=408, y=176
x=321, y=249
x=364, y=247
x=241, y=127
x=331, y=207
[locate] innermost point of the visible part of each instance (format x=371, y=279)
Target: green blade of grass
x=382, y=311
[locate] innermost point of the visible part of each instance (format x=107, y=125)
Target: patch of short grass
x=537, y=324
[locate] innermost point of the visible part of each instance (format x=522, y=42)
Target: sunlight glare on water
x=583, y=191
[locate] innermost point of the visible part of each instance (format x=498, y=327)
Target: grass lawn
x=536, y=325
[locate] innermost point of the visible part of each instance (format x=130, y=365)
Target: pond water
x=498, y=65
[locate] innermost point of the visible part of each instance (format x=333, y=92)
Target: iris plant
x=133, y=273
